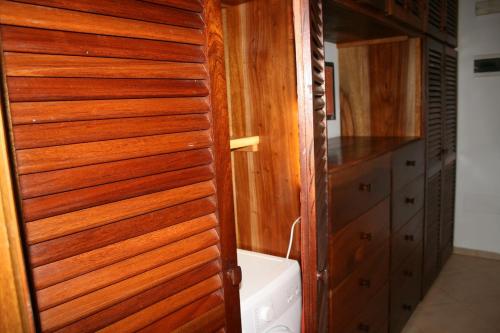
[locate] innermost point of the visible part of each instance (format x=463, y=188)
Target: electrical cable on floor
x=290, y=242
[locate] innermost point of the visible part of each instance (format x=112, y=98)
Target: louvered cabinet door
x=435, y=18
x=451, y=22
x=117, y=156
x=434, y=105
x=448, y=214
x=433, y=203
x=450, y=105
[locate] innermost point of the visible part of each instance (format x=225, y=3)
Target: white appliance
x=270, y=293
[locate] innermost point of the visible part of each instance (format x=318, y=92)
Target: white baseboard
x=476, y=253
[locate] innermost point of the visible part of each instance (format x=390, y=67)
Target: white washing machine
x=270, y=293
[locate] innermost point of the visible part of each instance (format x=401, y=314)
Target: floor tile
x=464, y=299
x=449, y=318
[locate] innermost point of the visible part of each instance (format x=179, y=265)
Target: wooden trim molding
x=222, y=158
x=306, y=156
x=15, y=301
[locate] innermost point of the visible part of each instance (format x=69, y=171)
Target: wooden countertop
x=345, y=151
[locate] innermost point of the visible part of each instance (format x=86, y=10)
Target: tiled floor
x=464, y=299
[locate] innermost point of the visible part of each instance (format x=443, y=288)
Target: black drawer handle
x=407, y=307
x=411, y=163
x=407, y=273
x=365, y=236
x=409, y=238
x=363, y=327
x=410, y=201
x=365, y=187
x=364, y=283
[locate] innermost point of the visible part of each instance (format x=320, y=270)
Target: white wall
x=332, y=55
x=477, y=223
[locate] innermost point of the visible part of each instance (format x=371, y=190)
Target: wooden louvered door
x=435, y=105
x=119, y=163
x=433, y=202
x=434, y=150
x=308, y=21
x=451, y=22
x=435, y=18
x=450, y=106
x=449, y=154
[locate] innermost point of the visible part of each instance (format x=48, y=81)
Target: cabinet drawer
x=351, y=296
x=407, y=164
x=405, y=290
x=358, y=240
x=357, y=189
x=431, y=253
x=407, y=202
x=406, y=239
x=374, y=318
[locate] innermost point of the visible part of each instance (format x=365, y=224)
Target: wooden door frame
x=15, y=298
x=309, y=230
x=222, y=161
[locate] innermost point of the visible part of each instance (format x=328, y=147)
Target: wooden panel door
x=118, y=130
x=450, y=105
x=308, y=22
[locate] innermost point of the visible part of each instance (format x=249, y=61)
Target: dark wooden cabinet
x=442, y=20
x=406, y=236
x=441, y=138
x=411, y=12
x=376, y=232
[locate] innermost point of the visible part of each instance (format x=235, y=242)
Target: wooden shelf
x=248, y=143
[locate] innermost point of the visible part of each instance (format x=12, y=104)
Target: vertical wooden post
x=306, y=155
x=222, y=158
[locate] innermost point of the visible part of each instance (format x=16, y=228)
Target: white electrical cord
x=291, y=238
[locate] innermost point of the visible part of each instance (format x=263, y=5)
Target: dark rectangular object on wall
x=487, y=65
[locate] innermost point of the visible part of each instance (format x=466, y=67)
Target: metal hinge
x=322, y=276
x=234, y=275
